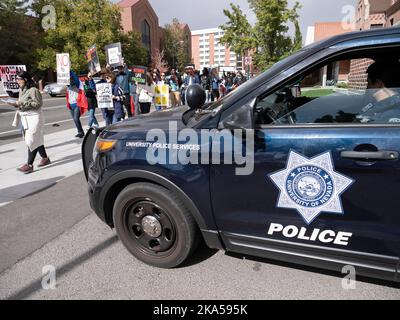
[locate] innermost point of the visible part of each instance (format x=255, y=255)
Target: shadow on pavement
x=20, y=191
x=71, y=158
x=11, y=137
x=37, y=285
x=77, y=141
x=259, y=262
x=7, y=151
x=201, y=254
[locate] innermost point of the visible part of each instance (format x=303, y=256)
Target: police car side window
x=363, y=91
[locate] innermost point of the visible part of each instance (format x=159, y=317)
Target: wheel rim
x=150, y=227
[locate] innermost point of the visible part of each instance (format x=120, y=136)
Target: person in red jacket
x=75, y=102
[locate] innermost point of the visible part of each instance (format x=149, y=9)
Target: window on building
x=146, y=36
x=376, y=26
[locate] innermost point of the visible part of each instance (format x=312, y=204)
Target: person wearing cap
x=30, y=116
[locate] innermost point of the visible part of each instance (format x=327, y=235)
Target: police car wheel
x=154, y=225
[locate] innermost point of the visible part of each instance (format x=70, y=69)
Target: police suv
x=300, y=164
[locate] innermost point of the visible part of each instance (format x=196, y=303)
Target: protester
x=30, y=116
x=108, y=114
x=174, y=83
x=191, y=78
x=146, y=94
x=123, y=79
x=118, y=98
x=215, y=82
x=205, y=81
x=134, y=99
x=72, y=103
x=90, y=93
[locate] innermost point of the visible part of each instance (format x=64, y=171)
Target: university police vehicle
x=285, y=167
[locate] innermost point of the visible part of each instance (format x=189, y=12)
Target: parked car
x=277, y=169
x=54, y=89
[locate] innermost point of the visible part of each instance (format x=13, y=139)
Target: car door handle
x=377, y=155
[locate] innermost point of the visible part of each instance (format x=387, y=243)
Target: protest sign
x=139, y=74
x=104, y=95
x=8, y=75
x=162, y=95
x=114, y=55
x=63, y=69
x=92, y=59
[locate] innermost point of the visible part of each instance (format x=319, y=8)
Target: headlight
x=104, y=145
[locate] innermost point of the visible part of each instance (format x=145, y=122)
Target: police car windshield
x=248, y=86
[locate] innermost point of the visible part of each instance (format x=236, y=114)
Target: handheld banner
x=63, y=69
x=92, y=59
x=8, y=75
x=139, y=74
x=162, y=95
x=104, y=95
x=114, y=55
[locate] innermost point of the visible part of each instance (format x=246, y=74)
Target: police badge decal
x=310, y=186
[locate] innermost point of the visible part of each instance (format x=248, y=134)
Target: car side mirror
x=241, y=119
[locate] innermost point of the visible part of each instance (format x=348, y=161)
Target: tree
x=175, y=45
x=268, y=38
x=134, y=53
x=19, y=36
x=81, y=24
x=158, y=61
x=238, y=32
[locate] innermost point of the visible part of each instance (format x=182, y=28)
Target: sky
x=203, y=14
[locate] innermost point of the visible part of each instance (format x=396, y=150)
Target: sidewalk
x=65, y=153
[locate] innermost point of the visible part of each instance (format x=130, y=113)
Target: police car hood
x=137, y=127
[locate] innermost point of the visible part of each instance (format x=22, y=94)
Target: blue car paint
x=240, y=208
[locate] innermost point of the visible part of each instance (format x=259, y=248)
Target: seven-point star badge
x=310, y=186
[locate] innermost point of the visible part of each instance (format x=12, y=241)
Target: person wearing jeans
x=72, y=103
x=90, y=93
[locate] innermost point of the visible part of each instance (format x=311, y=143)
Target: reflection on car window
x=361, y=91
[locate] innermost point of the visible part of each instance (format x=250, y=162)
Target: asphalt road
x=57, y=228
x=56, y=114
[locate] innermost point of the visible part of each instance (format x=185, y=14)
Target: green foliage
x=175, y=46
x=81, y=24
x=134, y=53
x=19, y=36
x=268, y=39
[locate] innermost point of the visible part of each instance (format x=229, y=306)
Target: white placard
x=63, y=69
x=104, y=95
x=9, y=77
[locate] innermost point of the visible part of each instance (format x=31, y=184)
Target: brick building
x=371, y=14
x=139, y=15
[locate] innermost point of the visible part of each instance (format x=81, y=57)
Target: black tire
x=53, y=95
x=179, y=234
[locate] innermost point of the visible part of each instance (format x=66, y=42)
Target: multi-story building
x=208, y=52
